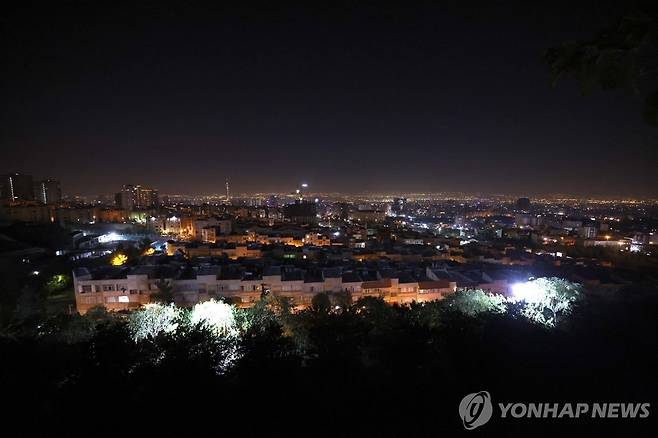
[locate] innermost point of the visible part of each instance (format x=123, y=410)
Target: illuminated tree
x=257, y=318
x=281, y=306
x=547, y=300
x=474, y=302
x=216, y=316
x=153, y=320
x=58, y=282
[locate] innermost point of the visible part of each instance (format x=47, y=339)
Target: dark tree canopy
x=625, y=56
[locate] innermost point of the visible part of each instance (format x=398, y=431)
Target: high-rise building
x=17, y=187
x=146, y=197
x=48, y=191
x=136, y=196
x=126, y=197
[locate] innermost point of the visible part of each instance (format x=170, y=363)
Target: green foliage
x=342, y=299
x=374, y=354
x=72, y=329
x=617, y=58
x=554, y=303
x=321, y=303
x=58, y=282
x=216, y=316
x=475, y=302
x=281, y=306
x=153, y=320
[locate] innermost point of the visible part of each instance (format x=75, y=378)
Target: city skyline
x=221, y=192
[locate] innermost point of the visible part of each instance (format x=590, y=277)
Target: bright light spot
x=35, y=272
x=149, y=251
x=529, y=292
x=119, y=259
x=123, y=299
x=217, y=316
x=305, y=185
x=109, y=237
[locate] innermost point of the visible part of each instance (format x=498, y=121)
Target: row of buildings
x=66, y=215
x=130, y=288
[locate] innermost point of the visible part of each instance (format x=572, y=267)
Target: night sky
x=357, y=97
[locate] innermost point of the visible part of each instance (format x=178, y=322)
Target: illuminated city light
x=119, y=259
x=109, y=237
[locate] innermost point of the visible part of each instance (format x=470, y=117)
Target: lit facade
x=132, y=290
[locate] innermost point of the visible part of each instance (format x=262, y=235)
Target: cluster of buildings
x=25, y=199
x=19, y=187
x=589, y=232
x=136, y=197
x=238, y=248
x=243, y=283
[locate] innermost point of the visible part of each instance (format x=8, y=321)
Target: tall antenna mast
x=228, y=194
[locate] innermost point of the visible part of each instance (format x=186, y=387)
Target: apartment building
x=130, y=288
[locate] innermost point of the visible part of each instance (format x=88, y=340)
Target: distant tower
x=300, y=191
x=17, y=186
x=228, y=194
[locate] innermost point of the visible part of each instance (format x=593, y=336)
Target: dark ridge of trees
x=369, y=369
